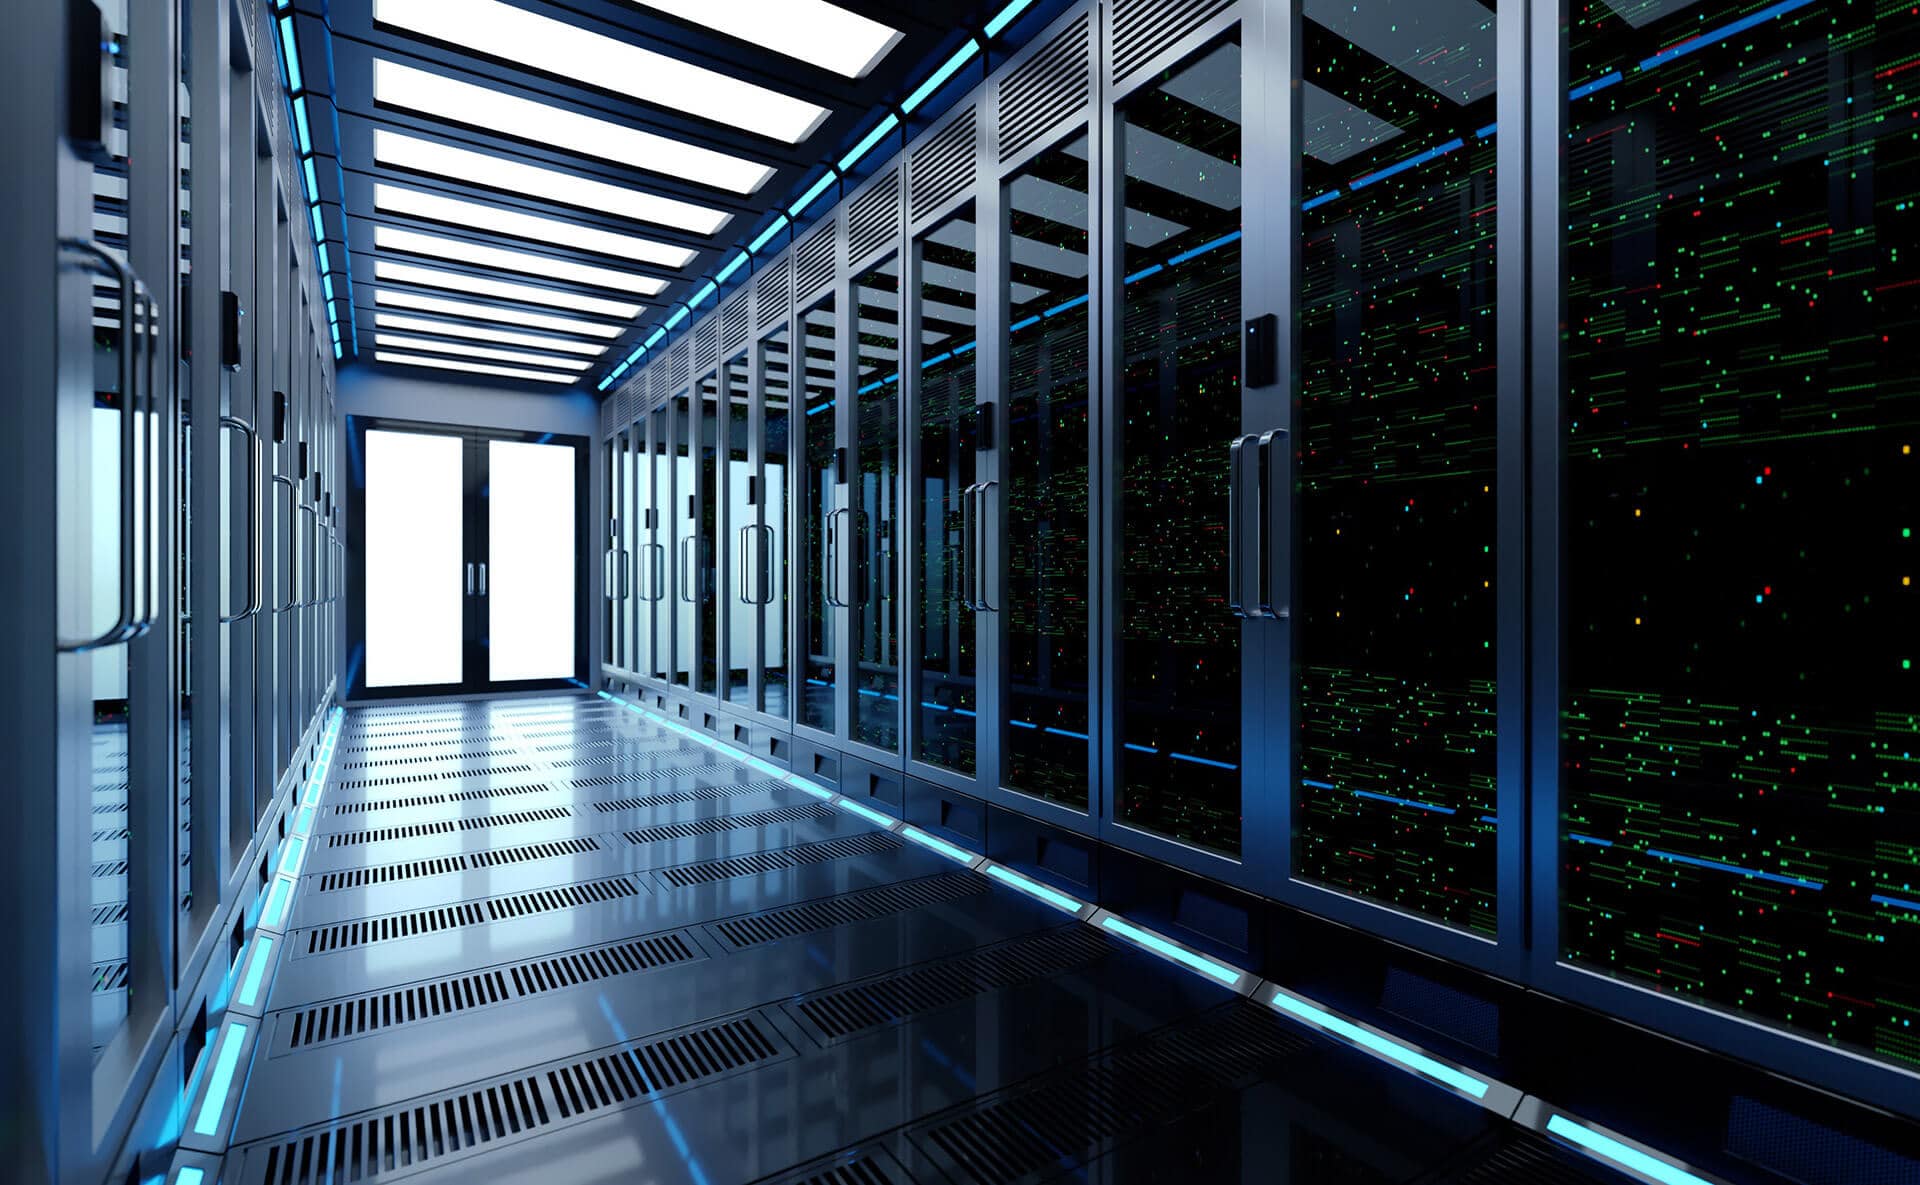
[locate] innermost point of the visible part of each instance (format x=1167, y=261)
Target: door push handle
x=469, y=577
x=1258, y=581
x=967, y=561
x=764, y=563
x=657, y=571
x=686, y=569
x=626, y=574
x=293, y=553
x=255, y=546
x=483, y=578
x=982, y=585
x=313, y=562
x=746, y=598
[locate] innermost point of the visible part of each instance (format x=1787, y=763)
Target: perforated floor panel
x=546, y=940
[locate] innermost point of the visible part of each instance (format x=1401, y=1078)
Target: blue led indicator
x=292, y=51
x=224, y=1065
x=256, y=970
x=1624, y=1155
x=1033, y=889
x=1160, y=946
x=1369, y=1040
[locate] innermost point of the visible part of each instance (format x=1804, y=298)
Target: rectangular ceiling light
x=420, y=302
x=511, y=176
x=581, y=55
x=430, y=277
x=509, y=372
x=397, y=341
x=480, y=333
x=814, y=31
x=556, y=127
x=393, y=238
x=417, y=203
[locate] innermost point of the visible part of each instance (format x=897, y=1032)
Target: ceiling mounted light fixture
x=399, y=151
x=420, y=302
x=813, y=31
x=396, y=341
x=497, y=220
x=556, y=127
x=508, y=372
x=393, y=238
x=481, y=333
x=430, y=277
x=580, y=55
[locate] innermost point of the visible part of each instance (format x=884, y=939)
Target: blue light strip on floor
x=870, y=815
x=256, y=970
x=937, y=844
x=1218, y=972
x=275, y=914
x=1621, y=1155
x=190, y=1175
x=1035, y=889
x=214, y=1105
x=1404, y=1056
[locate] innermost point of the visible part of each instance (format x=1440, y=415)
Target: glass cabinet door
x=705, y=517
x=946, y=564
x=818, y=524
x=613, y=465
x=876, y=492
x=638, y=559
x=739, y=548
x=776, y=385
x=686, y=537
x=1045, y=648
x=657, y=572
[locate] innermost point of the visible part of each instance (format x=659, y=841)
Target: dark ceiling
x=929, y=31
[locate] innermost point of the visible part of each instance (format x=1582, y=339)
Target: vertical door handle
x=745, y=597
x=483, y=578
x=292, y=552
x=965, y=582
x=469, y=577
x=311, y=576
x=686, y=570
x=982, y=530
x=626, y=574
x=252, y=438
x=764, y=563
x=657, y=575
x=1241, y=459
x=1257, y=581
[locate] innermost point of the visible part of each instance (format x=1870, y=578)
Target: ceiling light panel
x=510, y=372
x=396, y=341
x=481, y=333
x=393, y=238
x=568, y=51
x=509, y=115
x=420, y=302
x=495, y=172
x=429, y=277
x=496, y=220
x=826, y=35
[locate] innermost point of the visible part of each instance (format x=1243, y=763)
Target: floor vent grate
x=637, y=777
x=344, y=839
x=614, y=805
x=843, y=1012
x=759, y=862
x=861, y=906
x=517, y=905
x=655, y=1067
x=366, y=931
x=340, y=1020
x=452, y=775
x=407, y=1137
x=783, y=814
x=354, y=878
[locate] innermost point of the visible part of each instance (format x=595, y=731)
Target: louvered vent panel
x=873, y=218
x=704, y=337
x=1046, y=88
x=733, y=324
x=813, y=261
x=863, y=905
x=759, y=862
x=771, y=295
x=942, y=165
x=606, y=418
x=713, y=826
x=677, y=365
x=1142, y=28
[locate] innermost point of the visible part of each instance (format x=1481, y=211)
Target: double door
x=470, y=547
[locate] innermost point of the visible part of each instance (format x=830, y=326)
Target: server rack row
x=175, y=540
x=1443, y=469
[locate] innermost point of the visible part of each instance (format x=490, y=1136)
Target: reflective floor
x=545, y=940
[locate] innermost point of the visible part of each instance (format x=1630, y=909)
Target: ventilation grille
x=480, y=795
x=371, y=731
x=110, y=977
x=759, y=862
x=656, y=1067
x=1046, y=88
x=452, y=775
x=843, y=1012
x=391, y=746
x=784, y=814
x=1067, y=1116
x=942, y=165
x=865, y=905
x=475, y=754
x=1142, y=28
x=733, y=324
x=703, y=344
x=366, y=931
x=813, y=261
x=873, y=218
x=374, y=1012
x=577, y=743
x=639, y=777
x=404, y=1138
x=771, y=298
x=343, y=839
x=354, y=878
x=677, y=364
x=614, y=805
x=110, y=915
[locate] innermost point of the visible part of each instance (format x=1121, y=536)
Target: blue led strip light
x=1218, y=972
x=289, y=51
x=1620, y=1154
x=1404, y=1056
x=257, y=964
x=226, y=1061
x=890, y=119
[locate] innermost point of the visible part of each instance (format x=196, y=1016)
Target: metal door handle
x=313, y=562
x=1257, y=581
x=764, y=566
x=255, y=548
x=293, y=518
x=657, y=571
x=835, y=538
x=982, y=583
x=686, y=570
x=483, y=578
x=967, y=559
x=469, y=577
x=745, y=597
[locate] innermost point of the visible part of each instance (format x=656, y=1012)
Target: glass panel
x=742, y=615
x=415, y=561
x=684, y=539
x=944, y=676
x=610, y=647
x=530, y=560
x=1394, y=461
x=108, y=669
x=702, y=553
x=1180, y=411
x=1740, y=463
x=638, y=610
x=816, y=509
x=1045, y=557
x=876, y=296
x=776, y=378
x=657, y=571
